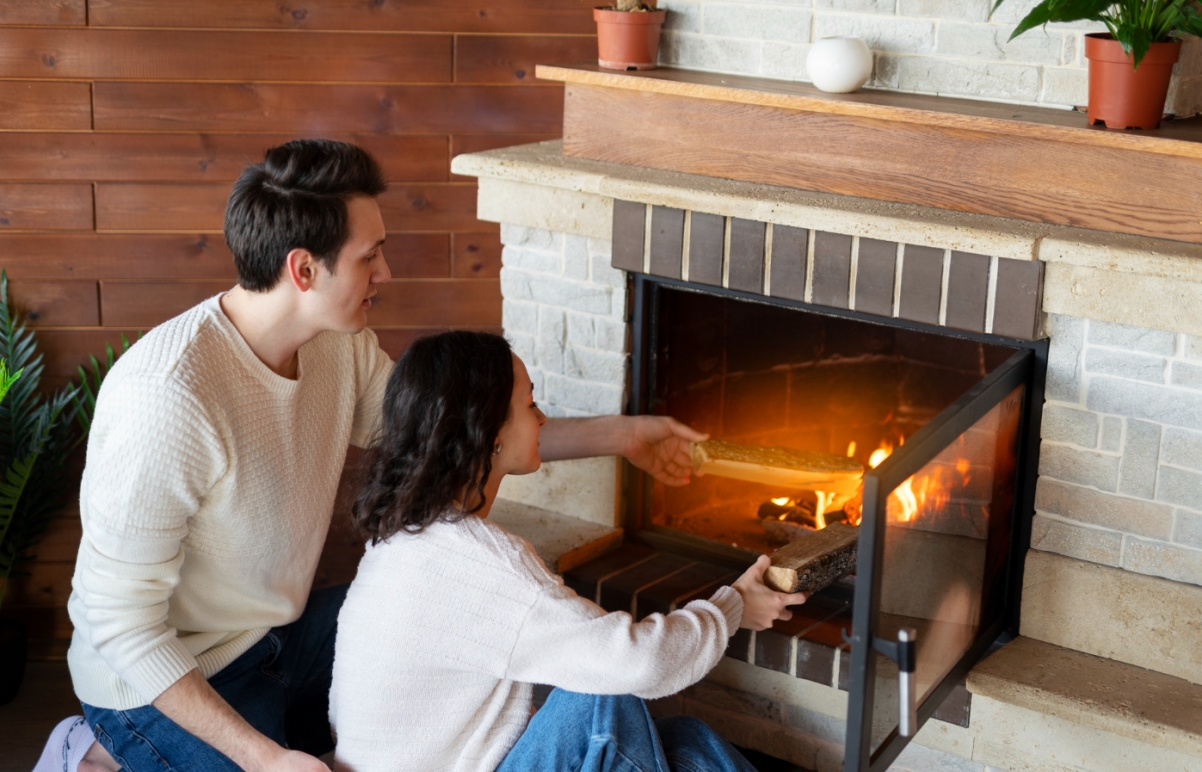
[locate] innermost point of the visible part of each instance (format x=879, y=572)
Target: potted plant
x=1129, y=66
x=37, y=435
x=628, y=34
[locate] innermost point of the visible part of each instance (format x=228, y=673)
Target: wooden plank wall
x=124, y=122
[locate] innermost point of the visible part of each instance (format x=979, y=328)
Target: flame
x=851, y=449
x=824, y=501
x=879, y=455
x=904, y=496
x=782, y=501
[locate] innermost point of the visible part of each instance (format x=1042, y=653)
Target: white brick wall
x=947, y=47
x=1121, y=461
x=564, y=309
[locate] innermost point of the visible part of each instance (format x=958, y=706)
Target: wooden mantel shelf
x=1030, y=163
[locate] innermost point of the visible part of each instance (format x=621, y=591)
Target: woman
x=451, y=619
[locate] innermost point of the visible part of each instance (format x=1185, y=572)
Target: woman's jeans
x=281, y=686
x=591, y=733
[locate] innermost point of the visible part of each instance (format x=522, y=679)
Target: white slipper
x=68, y=743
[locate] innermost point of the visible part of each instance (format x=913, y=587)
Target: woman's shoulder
x=501, y=549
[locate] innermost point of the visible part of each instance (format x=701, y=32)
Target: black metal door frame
x=1028, y=366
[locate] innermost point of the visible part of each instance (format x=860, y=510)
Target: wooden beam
x=1047, y=167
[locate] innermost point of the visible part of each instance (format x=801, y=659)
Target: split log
x=815, y=560
x=786, y=469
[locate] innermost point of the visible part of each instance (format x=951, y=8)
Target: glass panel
x=946, y=540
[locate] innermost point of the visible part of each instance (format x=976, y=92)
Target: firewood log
x=785, y=468
x=814, y=560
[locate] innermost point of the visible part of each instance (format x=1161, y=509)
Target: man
x=212, y=466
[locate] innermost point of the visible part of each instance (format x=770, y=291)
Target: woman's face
x=519, y=435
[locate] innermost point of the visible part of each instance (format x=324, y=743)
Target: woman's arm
x=658, y=445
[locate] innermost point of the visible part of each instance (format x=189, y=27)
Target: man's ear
x=301, y=268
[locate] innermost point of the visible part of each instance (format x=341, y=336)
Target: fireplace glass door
x=934, y=566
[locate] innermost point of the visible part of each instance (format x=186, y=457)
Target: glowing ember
x=782, y=501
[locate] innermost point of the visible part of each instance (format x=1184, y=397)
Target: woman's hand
x=763, y=605
x=659, y=445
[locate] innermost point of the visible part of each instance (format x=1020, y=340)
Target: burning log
x=783, y=468
x=815, y=560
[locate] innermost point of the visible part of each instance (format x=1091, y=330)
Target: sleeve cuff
x=157, y=671
x=730, y=603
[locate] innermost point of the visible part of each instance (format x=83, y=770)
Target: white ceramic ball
x=839, y=65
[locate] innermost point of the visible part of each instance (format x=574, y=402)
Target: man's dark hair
x=445, y=403
x=296, y=199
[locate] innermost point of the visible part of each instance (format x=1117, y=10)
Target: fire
x=851, y=449
x=782, y=501
x=824, y=501
x=879, y=455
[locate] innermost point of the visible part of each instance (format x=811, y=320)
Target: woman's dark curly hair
x=446, y=401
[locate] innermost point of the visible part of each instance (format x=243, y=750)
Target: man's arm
x=656, y=444
x=197, y=708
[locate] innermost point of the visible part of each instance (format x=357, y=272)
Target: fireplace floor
x=642, y=581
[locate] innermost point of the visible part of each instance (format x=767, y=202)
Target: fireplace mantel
x=1035, y=164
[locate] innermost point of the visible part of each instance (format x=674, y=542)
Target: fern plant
x=1135, y=24
x=37, y=435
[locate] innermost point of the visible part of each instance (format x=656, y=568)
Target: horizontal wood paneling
x=56, y=303
x=142, y=305
x=160, y=206
x=431, y=206
x=438, y=303
x=66, y=350
x=201, y=206
x=194, y=157
x=418, y=255
x=116, y=256
x=476, y=143
x=48, y=584
x=45, y=206
x=61, y=540
x=227, y=56
x=511, y=58
x=394, y=340
x=121, y=106
x=476, y=255
x=42, y=622
x=43, y=12
x=530, y=16
x=45, y=106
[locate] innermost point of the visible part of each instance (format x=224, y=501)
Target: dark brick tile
x=707, y=240
x=815, y=662
x=829, y=630
x=789, y=247
x=739, y=645
x=667, y=241
x=629, y=228
x=956, y=707
x=774, y=650
x=876, y=268
x=584, y=578
x=617, y=591
x=921, y=284
x=1018, y=301
x=664, y=596
x=746, y=255
x=832, y=269
x=967, y=291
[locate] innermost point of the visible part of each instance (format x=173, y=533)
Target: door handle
x=907, y=689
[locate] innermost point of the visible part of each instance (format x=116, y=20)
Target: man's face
x=343, y=297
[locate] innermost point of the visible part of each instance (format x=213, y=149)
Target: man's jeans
x=281, y=686
x=593, y=733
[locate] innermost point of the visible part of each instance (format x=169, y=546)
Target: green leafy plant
x=1135, y=24
x=37, y=436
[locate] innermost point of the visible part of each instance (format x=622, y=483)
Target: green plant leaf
x=7, y=379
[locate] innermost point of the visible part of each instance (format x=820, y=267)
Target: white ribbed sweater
x=206, y=498
x=443, y=633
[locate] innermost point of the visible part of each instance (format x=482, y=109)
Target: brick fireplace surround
x=1106, y=674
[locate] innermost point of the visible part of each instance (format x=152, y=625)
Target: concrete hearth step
x=1075, y=711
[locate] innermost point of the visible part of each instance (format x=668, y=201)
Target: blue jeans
x=592, y=733
x=281, y=686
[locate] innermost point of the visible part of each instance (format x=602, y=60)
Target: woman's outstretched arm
x=658, y=445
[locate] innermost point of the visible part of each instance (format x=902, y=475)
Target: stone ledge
x=1094, y=692
x=562, y=542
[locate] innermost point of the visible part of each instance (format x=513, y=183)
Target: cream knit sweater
x=206, y=498
x=443, y=633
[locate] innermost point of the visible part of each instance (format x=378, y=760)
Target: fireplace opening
x=766, y=375
x=945, y=428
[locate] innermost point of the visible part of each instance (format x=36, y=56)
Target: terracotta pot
x=1121, y=96
x=13, y=651
x=628, y=40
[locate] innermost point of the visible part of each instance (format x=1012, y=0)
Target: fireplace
x=941, y=420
